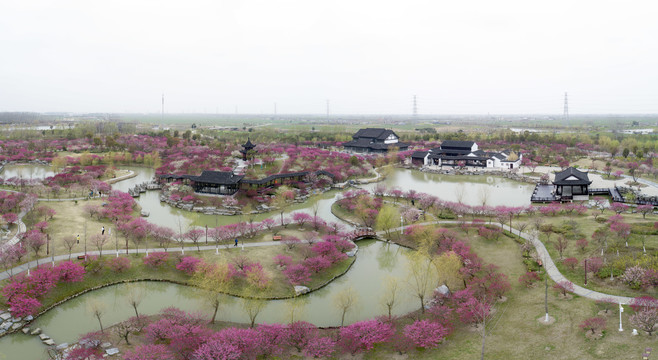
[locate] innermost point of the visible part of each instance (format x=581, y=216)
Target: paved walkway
x=113, y=253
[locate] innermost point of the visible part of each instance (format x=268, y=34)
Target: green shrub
x=531, y=265
x=605, y=272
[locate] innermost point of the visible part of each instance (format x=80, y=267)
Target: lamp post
x=401, y=224
x=585, y=272
x=116, y=241
x=621, y=310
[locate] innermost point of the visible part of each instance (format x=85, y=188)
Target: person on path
x=103, y=230
x=236, y=242
x=78, y=238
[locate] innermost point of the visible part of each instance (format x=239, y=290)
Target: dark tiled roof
x=217, y=177
x=450, y=152
x=172, y=176
x=456, y=144
x=367, y=144
x=374, y=133
x=248, y=144
x=419, y=154
x=459, y=157
x=285, y=176
x=581, y=177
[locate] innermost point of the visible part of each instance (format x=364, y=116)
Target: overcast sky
x=366, y=57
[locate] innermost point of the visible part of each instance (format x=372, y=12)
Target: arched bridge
x=363, y=233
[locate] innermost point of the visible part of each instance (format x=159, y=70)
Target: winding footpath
x=549, y=265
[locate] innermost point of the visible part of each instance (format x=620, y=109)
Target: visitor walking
x=103, y=230
x=236, y=242
x=78, y=238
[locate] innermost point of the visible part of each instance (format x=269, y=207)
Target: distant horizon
x=397, y=115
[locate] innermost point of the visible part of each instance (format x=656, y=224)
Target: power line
x=566, y=108
x=415, y=109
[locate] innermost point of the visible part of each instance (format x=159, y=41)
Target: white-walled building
x=466, y=153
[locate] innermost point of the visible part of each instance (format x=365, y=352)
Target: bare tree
x=561, y=244
x=421, y=277
x=252, y=307
x=389, y=298
x=134, y=297
x=97, y=309
x=295, y=307
x=99, y=241
x=69, y=243
x=345, y=301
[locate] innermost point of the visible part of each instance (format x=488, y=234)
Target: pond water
x=27, y=171
x=375, y=262
x=164, y=215
x=468, y=189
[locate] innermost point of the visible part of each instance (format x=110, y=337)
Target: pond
x=26, y=171
x=469, y=189
x=375, y=262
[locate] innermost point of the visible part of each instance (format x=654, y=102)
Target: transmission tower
x=566, y=108
x=415, y=109
x=327, y=108
x=162, y=115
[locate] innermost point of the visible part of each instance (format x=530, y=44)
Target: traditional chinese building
x=572, y=184
x=465, y=153
x=246, y=147
x=375, y=140
x=216, y=182
x=228, y=183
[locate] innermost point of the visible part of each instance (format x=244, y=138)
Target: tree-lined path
x=549, y=265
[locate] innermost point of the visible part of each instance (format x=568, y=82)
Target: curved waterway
x=26, y=171
x=165, y=215
x=468, y=189
x=375, y=262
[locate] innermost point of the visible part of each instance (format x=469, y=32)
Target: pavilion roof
x=217, y=177
x=571, y=176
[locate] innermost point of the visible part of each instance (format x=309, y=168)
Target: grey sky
x=365, y=56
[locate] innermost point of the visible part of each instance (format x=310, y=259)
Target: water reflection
x=464, y=188
x=27, y=171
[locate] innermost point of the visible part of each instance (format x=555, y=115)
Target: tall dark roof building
x=375, y=140
x=246, y=147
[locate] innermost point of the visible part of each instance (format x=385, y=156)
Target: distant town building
x=637, y=131
x=466, y=153
x=375, y=140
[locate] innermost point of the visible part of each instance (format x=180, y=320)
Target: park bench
x=81, y=257
x=276, y=237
